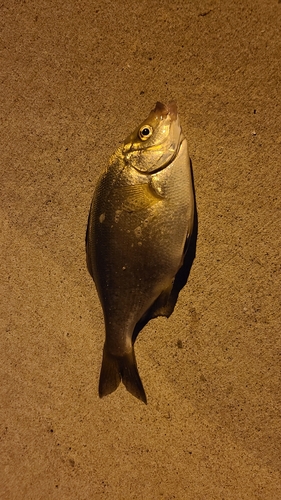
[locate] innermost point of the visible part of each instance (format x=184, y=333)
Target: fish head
x=155, y=142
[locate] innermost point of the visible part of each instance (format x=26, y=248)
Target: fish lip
x=173, y=110
x=167, y=109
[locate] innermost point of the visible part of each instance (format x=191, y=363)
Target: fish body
x=140, y=219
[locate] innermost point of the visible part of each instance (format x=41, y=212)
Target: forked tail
x=117, y=368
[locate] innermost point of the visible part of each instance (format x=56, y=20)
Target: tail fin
x=114, y=369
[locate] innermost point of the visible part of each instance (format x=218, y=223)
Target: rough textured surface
x=76, y=79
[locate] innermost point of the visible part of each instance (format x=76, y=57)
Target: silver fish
x=140, y=221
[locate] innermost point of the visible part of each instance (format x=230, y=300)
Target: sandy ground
x=76, y=78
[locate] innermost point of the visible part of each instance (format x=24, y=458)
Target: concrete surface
x=76, y=78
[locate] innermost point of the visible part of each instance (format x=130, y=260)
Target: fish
x=140, y=223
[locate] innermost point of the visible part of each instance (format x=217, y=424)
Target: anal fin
x=164, y=304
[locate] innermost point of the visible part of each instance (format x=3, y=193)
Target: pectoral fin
x=138, y=197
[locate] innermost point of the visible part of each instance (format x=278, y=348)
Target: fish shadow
x=180, y=278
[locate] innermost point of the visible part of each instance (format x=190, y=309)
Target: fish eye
x=145, y=132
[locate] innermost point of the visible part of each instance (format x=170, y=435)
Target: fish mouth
x=166, y=109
